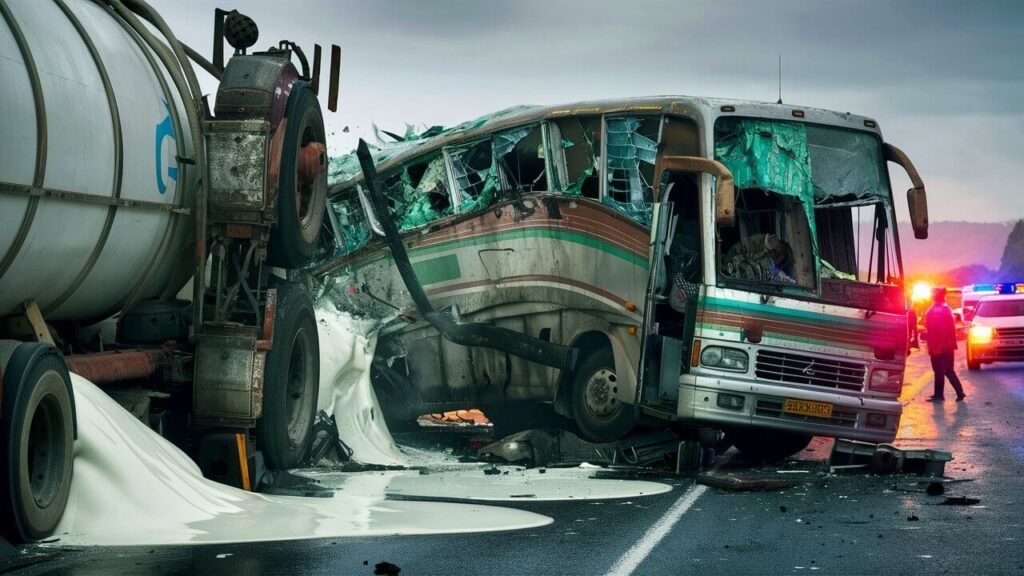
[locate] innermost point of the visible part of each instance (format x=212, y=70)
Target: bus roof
x=689, y=106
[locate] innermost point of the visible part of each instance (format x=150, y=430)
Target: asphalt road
x=838, y=524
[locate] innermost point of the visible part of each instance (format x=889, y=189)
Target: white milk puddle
x=132, y=487
x=511, y=485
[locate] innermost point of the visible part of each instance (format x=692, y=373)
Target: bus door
x=673, y=288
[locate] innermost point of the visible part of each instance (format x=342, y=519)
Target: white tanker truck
x=117, y=187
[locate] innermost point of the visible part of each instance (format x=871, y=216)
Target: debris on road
x=959, y=501
x=537, y=448
x=738, y=484
x=530, y=447
x=326, y=440
x=848, y=455
x=386, y=569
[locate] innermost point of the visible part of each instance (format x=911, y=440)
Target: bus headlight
x=979, y=334
x=725, y=358
x=886, y=381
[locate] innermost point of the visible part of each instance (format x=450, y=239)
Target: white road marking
x=632, y=559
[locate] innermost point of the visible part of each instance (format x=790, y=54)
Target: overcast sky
x=944, y=79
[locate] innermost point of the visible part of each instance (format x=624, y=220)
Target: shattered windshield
x=812, y=202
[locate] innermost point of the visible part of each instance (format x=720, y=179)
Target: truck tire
x=599, y=415
x=300, y=204
x=291, y=382
x=768, y=445
x=37, y=435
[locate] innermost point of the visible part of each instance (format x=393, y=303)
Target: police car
x=996, y=332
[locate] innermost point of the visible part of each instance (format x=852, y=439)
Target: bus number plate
x=806, y=408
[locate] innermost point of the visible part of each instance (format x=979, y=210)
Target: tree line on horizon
x=1011, y=265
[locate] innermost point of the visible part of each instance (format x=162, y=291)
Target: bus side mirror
x=725, y=191
x=917, y=198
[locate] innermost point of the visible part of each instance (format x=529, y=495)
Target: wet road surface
x=840, y=524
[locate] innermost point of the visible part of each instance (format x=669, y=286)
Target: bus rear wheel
x=37, y=435
x=768, y=445
x=599, y=415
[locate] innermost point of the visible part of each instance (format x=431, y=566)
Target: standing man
x=941, y=327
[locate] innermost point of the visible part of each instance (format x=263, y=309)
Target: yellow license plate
x=806, y=408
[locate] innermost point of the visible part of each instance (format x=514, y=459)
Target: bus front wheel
x=598, y=413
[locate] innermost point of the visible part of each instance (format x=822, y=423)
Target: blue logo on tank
x=165, y=129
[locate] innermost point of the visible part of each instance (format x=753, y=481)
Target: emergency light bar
x=1000, y=288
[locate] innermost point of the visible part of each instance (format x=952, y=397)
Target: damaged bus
x=720, y=264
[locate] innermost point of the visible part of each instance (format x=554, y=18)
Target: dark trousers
x=942, y=365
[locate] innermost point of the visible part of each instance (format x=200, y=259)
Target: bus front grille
x=792, y=368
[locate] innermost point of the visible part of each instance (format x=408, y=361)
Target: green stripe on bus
x=436, y=270
x=549, y=233
x=748, y=308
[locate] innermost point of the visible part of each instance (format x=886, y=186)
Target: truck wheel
x=599, y=414
x=769, y=445
x=37, y=435
x=291, y=382
x=302, y=199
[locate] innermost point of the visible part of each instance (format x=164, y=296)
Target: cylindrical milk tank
x=94, y=202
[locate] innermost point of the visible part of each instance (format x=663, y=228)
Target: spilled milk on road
x=133, y=487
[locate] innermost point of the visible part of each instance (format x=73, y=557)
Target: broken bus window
x=475, y=175
x=631, y=148
x=521, y=157
x=351, y=230
x=418, y=193
x=576, y=163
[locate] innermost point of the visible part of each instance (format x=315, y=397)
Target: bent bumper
x=763, y=408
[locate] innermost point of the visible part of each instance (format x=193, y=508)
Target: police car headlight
x=725, y=358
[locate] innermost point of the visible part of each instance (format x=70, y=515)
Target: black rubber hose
x=470, y=334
